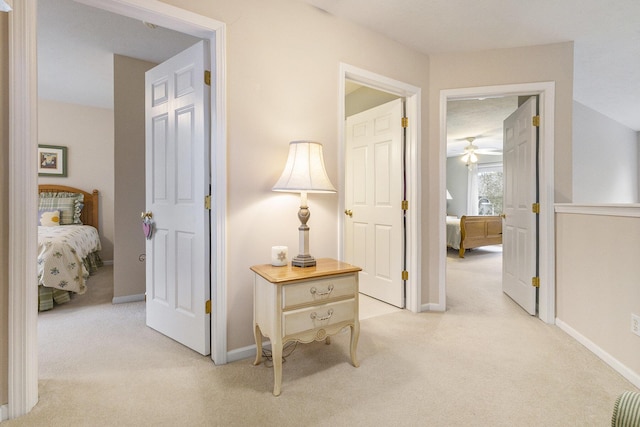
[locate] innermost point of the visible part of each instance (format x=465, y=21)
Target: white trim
x=107, y=262
x=127, y=298
x=23, y=354
x=632, y=376
x=546, y=93
x=4, y=412
x=412, y=95
x=244, y=352
x=23, y=137
x=630, y=210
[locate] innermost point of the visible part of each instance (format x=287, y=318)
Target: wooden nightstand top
x=324, y=267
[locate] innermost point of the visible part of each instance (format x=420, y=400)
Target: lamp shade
x=304, y=171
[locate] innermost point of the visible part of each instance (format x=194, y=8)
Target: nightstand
x=304, y=304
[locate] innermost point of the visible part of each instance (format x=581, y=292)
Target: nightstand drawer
x=318, y=291
x=317, y=317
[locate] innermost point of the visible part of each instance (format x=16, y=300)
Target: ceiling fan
x=471, y=150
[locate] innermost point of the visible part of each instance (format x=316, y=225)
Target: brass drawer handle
x=314, y=315
x=314, y=291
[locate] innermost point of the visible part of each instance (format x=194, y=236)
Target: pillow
x=49, y=218
x=65, y=205
x=76, y=209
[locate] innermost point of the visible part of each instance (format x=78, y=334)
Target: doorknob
x=348, y=212
x=503, y=216
x=146, y=215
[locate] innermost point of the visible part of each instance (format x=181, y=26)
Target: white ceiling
x=606, y=36
x=76, y=44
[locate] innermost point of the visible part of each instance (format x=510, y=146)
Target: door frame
x=23, y=355
x=546, y=231
x=412, y=96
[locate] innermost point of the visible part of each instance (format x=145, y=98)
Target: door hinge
x=405, y=275
x=405, y=122
x=405, y=205
x=207, y=307
x=535, y=208
x=535, y=282
x=536, y=121
x=207, y=202
x=207, y=77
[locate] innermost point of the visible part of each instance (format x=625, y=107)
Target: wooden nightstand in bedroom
x=304, y=304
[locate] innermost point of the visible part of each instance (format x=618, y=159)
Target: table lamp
x=304, y=173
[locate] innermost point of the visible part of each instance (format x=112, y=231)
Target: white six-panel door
x=177, y=181
x=373, y=196
x=519, y=232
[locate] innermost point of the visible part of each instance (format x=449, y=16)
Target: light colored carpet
x=482, y=363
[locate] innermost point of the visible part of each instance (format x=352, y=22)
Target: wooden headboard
x=89, y=214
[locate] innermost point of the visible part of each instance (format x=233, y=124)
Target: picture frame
x=52, y=160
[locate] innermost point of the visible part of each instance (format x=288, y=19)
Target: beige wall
x=4, y=203
x=129, y=166
x=487, y=68
x=88, y=134
x=283, y=62
x=365, y=98
x=597, y=281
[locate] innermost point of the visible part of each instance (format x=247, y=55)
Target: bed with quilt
x=68, y=243
x=471, y=232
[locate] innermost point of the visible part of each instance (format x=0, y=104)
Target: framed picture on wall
x=52, y=160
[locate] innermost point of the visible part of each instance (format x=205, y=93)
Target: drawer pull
x=314, y=291
x=314, y=315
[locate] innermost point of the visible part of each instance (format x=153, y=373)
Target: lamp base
x=303, y=261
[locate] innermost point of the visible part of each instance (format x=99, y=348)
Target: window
x=490, y=192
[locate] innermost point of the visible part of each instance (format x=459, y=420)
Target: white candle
x=279, y=255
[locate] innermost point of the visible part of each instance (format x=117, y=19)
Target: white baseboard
x=107, y=262
x=127, y=298
x=431, y=307
x=245, y=352
x=4, y=410
x=630, y=375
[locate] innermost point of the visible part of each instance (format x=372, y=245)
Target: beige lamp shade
x=304, y=171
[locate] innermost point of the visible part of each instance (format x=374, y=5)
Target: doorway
x=23, y=384
x=412, y=95
x=474, y=184
x=546, y=267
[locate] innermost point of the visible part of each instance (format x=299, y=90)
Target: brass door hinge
x=207, y=202
x=535, y=208
x=536, y=121
x=207, y=77
x=207, y=307
x=535, y=282
x=405, y=275
x=405, y=122
x=405, y=205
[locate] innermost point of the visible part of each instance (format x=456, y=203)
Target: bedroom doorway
x=23, y=390
x=474, y=172
x=546, y=94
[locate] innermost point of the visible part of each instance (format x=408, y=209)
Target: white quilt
x=453, y=232
x=60, y=254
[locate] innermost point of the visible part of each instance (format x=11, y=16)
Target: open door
x=519, y=228
x=373, y=200
x=177, y=182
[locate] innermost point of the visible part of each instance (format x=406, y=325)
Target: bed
x=471, y=232
x=68, y=242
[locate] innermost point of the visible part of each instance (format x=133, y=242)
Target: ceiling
x=76, y=44
x=606, y=37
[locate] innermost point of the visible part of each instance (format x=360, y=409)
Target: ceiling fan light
x=473, y=158
x=465, y=158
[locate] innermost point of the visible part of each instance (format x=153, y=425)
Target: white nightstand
x=304, y=304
